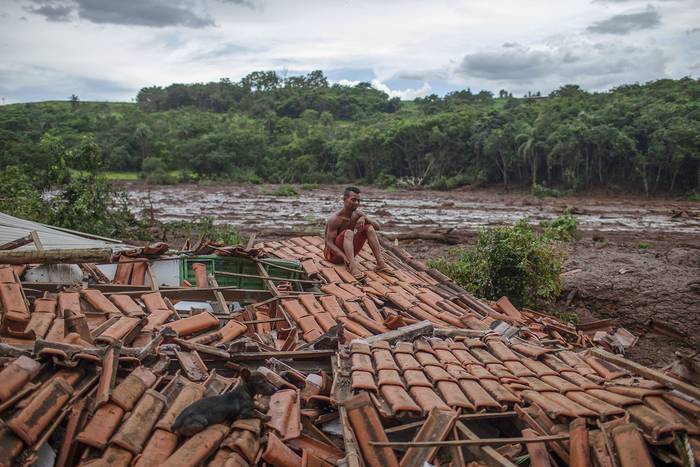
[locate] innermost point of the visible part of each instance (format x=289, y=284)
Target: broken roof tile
x=284, y=413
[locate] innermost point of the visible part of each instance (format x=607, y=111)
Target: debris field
x=402, y=368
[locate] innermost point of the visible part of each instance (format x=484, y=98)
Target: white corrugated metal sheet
x=13, y=228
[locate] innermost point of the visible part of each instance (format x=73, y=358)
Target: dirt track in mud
x=639, y=259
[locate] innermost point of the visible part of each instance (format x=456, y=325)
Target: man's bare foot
x=355, y=271
x=384, y=269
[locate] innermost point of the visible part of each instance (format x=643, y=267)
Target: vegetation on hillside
x=301, y=129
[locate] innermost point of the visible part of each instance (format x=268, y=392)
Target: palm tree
x=74, y=101
x=527, y=148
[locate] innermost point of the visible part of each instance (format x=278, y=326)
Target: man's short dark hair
x=350, y=189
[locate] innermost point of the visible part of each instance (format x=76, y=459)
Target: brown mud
x=638, y=259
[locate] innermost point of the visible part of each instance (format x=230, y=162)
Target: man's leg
x=349, y=250
x=373, y=240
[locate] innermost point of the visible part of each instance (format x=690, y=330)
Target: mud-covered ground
x=639, y=259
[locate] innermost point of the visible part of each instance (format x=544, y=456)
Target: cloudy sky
x=109, y=49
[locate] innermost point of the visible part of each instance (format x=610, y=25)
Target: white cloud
x=438, y=46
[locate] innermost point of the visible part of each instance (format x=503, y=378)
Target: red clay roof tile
x=17, y=374
x=130, y=390
x=192, y=324
x=126, y=305
x=362, y=362
x=197, y=448
x=367, y=427
x=278, y=454
x=285, y=414
x=630, y=446
x=40, y=412
x=427, y=398
x=159, y=447
x=101, y=426
x=134, y=432
x=363, y=380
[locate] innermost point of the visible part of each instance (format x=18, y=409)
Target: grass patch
x=644, y=245
x=122, y=176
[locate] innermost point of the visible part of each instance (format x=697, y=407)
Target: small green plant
x=544, y=192
x=310, y=186
x=203, y=228
x=284, y=190
x=644, y=245
x=514, y=261
x=562, y=229
x=567, y=316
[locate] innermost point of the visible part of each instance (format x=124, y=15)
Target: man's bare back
x=347, y=231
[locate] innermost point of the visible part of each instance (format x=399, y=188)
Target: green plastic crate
x=239, y=265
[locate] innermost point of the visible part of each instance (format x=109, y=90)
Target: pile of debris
x=401, y=368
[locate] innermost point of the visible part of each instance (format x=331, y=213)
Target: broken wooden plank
x=486, y=453
x=422, y=328
x=435, y=427
x=205, y=349
x=37, y=241
x=646, y=372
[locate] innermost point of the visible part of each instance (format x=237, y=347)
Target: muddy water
x=253, y=207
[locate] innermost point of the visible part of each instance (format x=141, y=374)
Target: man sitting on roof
x=346, y=233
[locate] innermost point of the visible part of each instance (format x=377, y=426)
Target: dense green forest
x=641, y=138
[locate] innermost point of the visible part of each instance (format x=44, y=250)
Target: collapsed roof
x=401, y=368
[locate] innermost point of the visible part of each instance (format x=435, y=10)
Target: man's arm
x=331, y=233
x=367, y=220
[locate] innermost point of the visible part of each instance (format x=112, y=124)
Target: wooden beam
x=646, y=372
x=409, y=332
x=254, y=276
x=468, y=417
x=293, y=354
x=16, y=243
x=58, y=256
x=471, y=442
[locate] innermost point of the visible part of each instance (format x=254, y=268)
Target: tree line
x=265, y=127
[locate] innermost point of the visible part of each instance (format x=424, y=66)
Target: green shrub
x=284, y=190
x=161, y=177
x=562, y=229
x=544, y=192
x=385, y=181
x=644, y=245
x=90, y=204
x=152, y=164
x=513, y=261
x=19, y=197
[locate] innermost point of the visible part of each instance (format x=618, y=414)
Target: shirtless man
x=346, y=233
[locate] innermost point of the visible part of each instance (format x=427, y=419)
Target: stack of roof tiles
x=101, y=377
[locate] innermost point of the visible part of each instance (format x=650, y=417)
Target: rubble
x=401, y=369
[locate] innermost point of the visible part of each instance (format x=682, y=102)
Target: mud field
x=639, y=259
